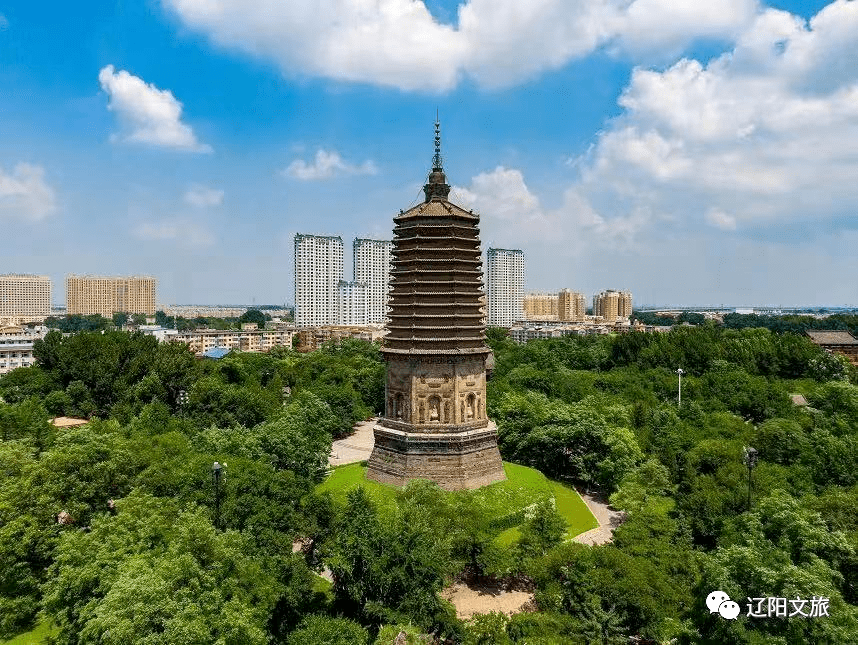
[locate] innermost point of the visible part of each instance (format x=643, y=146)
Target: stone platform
x=455, y=461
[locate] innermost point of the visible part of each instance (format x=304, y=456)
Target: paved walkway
x=607, y=517
x=356, y=447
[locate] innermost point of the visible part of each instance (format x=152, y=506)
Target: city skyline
x=694, y=154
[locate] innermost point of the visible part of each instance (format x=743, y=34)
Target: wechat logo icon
x=719, y=602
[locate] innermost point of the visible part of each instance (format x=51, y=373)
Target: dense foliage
x=209, y=322
x=796, y=323
x=110, y=528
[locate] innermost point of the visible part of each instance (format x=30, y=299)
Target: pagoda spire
x=437, y=162
x=436, y=187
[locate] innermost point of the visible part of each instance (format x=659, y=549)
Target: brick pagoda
x=435, y=425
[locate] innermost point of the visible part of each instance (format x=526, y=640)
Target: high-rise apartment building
x=24, y=298
x=505, y=286
x=88, y=295
x=540, y=306
x=372, y=267
x=352, y=303
x=611, y=305
x=571, y=305
x=318, y=272
x=624, y=306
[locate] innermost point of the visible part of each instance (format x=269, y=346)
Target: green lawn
x=573, y=509
x=505, y=500
x=37, y=636
x=345, y=478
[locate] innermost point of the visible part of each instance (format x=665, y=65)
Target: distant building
x=24, y=298
x=504, y=286
x=591, y=325
x=611, y=305
x=372, y=263
x=318, y=272
x=566, y=306
x=540, y=306
x=203, y=311
x=161, y=333
x=311, y=338
x=571, y=306
x=246, y=340
x=352, y=303
x=16, y=346
x=838, y=342
x=89, y=295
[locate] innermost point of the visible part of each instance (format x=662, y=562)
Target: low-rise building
x=16, y=346
x=247, y=339
x=592, y=325
x=203, y=311
x=836, y=341
x=311, y=338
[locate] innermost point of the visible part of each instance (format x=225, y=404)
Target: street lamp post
x=750, y=457
x=680, y=372
x=218, y=473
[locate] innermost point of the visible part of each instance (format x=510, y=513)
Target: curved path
x=607, y=517
x=355, y=447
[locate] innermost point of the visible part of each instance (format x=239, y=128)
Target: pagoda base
x=455, y=461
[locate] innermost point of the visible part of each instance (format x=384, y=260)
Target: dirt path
x=482, y=599
x=607, y=517
x=356, y=447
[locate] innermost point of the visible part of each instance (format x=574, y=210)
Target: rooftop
x=831, y=337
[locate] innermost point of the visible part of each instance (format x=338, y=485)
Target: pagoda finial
x=436, y=187
x=437, y=164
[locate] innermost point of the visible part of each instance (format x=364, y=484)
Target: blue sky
x=691, y=152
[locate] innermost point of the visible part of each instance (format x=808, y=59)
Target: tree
x=119, y=319
x=543, y=530
x=389, y=571
x=254, y=316
x=154, y=574
x=321, y=630
x=299, y=439
x=27, y=421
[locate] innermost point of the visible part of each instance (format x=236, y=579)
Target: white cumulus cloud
x=24, y=193
x=510, y=214
x=4, y=22
x=399, y=43
x=147, y=114
x=201, y=196
x=761, y=136
x=326, y=165
x=503, y=199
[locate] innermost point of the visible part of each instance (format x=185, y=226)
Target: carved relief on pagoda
x=436, y=394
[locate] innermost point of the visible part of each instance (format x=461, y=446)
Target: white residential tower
x=318, y=272
x=504, y=286
x=372, y=267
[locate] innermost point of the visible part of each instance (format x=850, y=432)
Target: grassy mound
x=507, y=501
